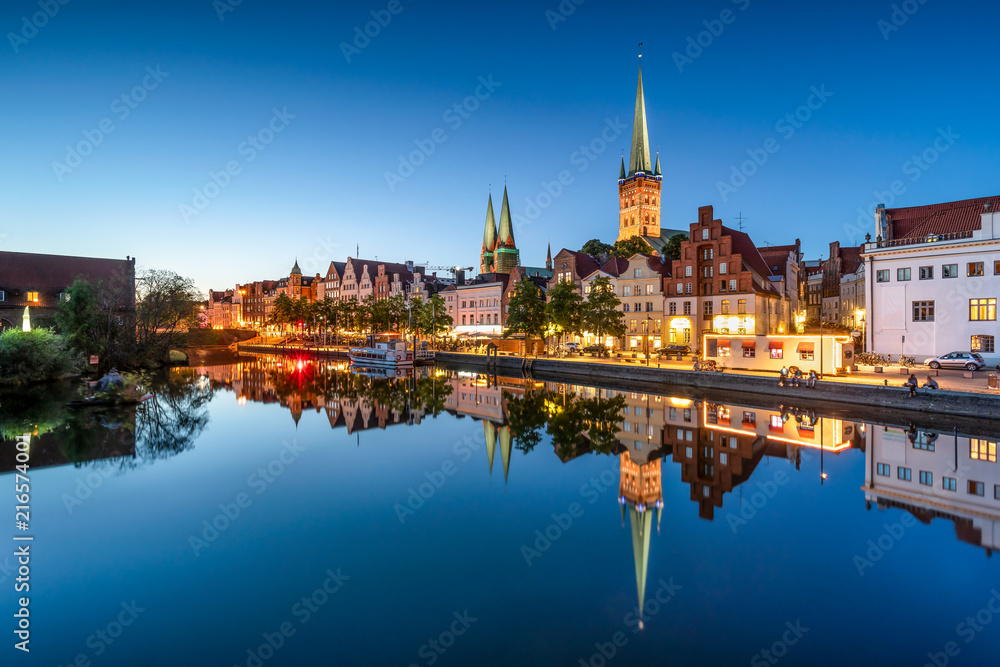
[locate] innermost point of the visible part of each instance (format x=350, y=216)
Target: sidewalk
x=951, y=380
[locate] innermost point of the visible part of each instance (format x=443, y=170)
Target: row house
x=640, y=288
x=477, y=308
x=362, y=277
x=842, y=261
x=812, y=289
x=221, y=310
x=852, y=298
x=256, y=301
x=934, y=279
x=722, y=284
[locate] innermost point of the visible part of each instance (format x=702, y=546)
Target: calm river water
x=284, y=512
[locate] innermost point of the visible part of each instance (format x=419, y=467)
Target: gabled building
x=722, y=284
x=640, y=288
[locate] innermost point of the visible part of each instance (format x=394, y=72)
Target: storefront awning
x=776, y=345
x=723, y=342
x=749, y=344
x=807, y=347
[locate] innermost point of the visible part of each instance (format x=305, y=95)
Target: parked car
x=595, y=349
x=970, y=361
x=675, y=349
x=571, y=347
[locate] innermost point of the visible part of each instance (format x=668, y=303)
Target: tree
x=672, y=249
x=526, y=312
x=595, y=247
x=601, y=314
x=77, y=319
x=565, y=308
x=625, y=248
x=164, y=300
x=281, y=310
x=431, y=317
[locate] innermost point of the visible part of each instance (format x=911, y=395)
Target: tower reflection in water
x=716, y=445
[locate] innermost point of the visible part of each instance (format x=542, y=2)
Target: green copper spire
x=506, y=238
x=640, y=160
x=505, y=443
x=621, y=175
x=656, y=169
x=491, y=441
x=296, y=271
x=490, y=234
x=641, y=522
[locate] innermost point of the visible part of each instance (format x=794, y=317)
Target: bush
x=34, y=356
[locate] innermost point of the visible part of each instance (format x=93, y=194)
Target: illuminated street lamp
x=859, y=315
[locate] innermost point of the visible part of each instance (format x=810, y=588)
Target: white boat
x=392, y=353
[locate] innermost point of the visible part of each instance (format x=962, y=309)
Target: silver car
x=970, y=361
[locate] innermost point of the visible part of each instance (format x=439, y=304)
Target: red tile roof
x=51, y=274
x=615, y=266
x=850, y=259
x=776, y=258
x=946, y=218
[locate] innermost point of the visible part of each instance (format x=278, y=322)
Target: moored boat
x=390, y=353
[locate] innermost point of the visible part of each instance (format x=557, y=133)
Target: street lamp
x=859, y=314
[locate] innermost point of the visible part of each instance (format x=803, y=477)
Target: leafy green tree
x=77, y=319
x=526, y=312
x=527, y=418
x=33, y=356
x=431, y=317
x=601, y=312
x=625, y=248
x=164, y=301
x=282, y=310
x=565, y=308
x=595, y=247
x=672, y=249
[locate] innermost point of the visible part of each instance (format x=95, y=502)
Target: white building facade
x=934, y=289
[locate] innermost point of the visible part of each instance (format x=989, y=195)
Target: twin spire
x=498, y=242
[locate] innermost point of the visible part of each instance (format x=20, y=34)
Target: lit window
x=32, y=296
x=741, y=307
x=725, y=306
x=923, y=311
x=982, y=309
x=976, y=488
x=982, y=343
x=975, y=269
x=983, y=450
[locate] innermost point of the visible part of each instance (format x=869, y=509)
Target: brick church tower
x=639, y=186
x=295, y=281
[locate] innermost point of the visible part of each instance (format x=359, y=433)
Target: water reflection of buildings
x=933, y=475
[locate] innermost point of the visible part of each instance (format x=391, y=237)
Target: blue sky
x=317, y=188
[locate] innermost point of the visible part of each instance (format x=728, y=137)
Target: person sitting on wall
x=797, y=377
x=931, y=383
x=911, y=382
x=812, y=379
x=783, y=376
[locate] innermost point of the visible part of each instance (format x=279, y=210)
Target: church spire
x=622, y=175
x=548, y=258
x=656, y=169
x=506, y=233
x=640, y=159
x=489, y=240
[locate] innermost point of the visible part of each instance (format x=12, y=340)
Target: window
x=749, y=351
x=32, y=296
x=741, y=307
x=627, y=290
x=926, y=272
x=925, y=441
x=687, y=307
x=724, y=458
x=725, y=350
x=687, y=418
x=982, y=309
x=722, y=285
x=903, y=274
x=687, y=271
x=976, y=488
x=722, y=268
x=680, y=288
x=649, y=306
x=749, y=417
x=688, y=451
x=3, y=295
x=883, y=276
x=673, y=307
x=586, y=290
x=996, y=491
x=463, y=319
x=975, y=269
x=706, y=272
x=904, y=474
x=704, y=234
x=926, y=478
x=882, y=470
x=996, y=267
x=725, y=306
x=625, y=308
x=650, y=289
x=923, y=311
x=707, y=309
x=949, y=484
x=949, y=271
x=732, y=285
x=983, y=450
x=637, y=273
x=981, y=343
x=777, y=351
x=687, y=288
